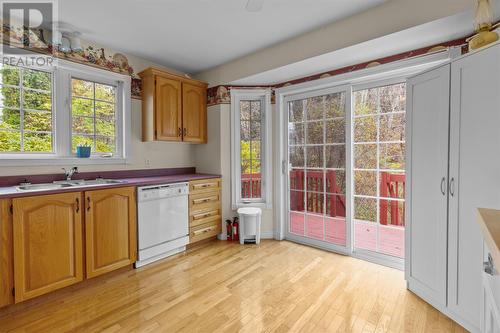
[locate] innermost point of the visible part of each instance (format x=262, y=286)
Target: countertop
x=12, y=192
x=489, y=221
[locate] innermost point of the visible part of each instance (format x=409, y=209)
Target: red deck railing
x=250, y=185
x=335, y=200
x=392, y=185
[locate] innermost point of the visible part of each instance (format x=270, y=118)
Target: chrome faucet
x=69, y=173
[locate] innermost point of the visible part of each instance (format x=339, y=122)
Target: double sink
x=66, y=184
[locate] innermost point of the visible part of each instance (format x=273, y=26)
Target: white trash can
x=250, y=219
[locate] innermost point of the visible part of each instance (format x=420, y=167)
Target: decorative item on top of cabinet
x=48, y=243
x=174, y=107
x=110, y=229
x=205, y=211
x=6, y=256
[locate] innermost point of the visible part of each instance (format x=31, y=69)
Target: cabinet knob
x=180, y=132
x=185, y=132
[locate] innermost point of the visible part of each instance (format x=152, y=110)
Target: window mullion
x=62, y=130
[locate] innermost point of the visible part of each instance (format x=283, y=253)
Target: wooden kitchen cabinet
x=48, y=243
x=168, y=98
x=110, y=229
x=174, y=108
x=205, y=210
x=6, y=256
x=194, y=113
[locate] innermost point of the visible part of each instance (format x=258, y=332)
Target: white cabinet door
x=428, y=140
x=474, y=175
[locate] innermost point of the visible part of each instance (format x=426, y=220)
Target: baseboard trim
x=267, y=235
x=263, y=235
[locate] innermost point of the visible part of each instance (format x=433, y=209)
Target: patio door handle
x=443, y=183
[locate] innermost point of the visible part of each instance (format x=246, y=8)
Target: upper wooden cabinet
x=168, y=98
x=174, y=108
x=110, y=229
x=48, y=250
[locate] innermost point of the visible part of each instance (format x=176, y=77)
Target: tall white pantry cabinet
x=453, y=163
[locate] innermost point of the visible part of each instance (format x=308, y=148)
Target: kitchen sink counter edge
x=13, y=192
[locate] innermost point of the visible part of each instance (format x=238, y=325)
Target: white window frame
x=62, y=72
x=264, y=96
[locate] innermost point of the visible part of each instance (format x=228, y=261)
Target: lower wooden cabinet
x=58, y=240
x=6, y=258
x=205, y=219
x=110, y=229
x=48, y=250
x=49, y=242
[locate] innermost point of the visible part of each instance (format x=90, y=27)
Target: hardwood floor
x=225, y=287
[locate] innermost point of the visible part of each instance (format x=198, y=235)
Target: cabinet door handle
x=88, y=204
x=180, y=132
x=185, y=132
x=77, y=205
x=452, y=186
x=443, y=183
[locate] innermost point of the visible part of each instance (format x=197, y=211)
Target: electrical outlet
x=147, y=163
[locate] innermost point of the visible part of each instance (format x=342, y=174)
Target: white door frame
x=348, y=170
x=404, y=68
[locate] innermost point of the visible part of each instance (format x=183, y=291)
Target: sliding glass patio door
x=318, y=150
x=379, y=170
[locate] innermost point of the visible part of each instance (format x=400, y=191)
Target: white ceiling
x=432, y=33
x=195, y=35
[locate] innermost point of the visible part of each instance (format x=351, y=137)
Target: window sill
x=47, y=160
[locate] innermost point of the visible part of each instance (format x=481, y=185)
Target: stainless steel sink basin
x=90, y=182
x=67, y=183
x=42, y=187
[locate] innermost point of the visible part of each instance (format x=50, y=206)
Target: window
x=93, y=115
x=45, y=113
x=379, y=168
x=26, y=122
x=250, y=147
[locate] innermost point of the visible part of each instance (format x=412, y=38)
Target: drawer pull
x=205, y=200
x=206, y=185
x=203, y=215
x=203, y=231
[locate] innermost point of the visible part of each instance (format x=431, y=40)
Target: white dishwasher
x=163, y=221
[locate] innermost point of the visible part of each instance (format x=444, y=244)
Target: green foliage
x=91, y=118
x=250, y=162
x=36, y=122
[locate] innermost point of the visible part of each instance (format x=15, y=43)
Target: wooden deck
x=227, y=287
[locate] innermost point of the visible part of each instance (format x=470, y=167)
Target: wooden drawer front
x=204, y=185
x=204, y=231
x=203, y=201
x=206, y=216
